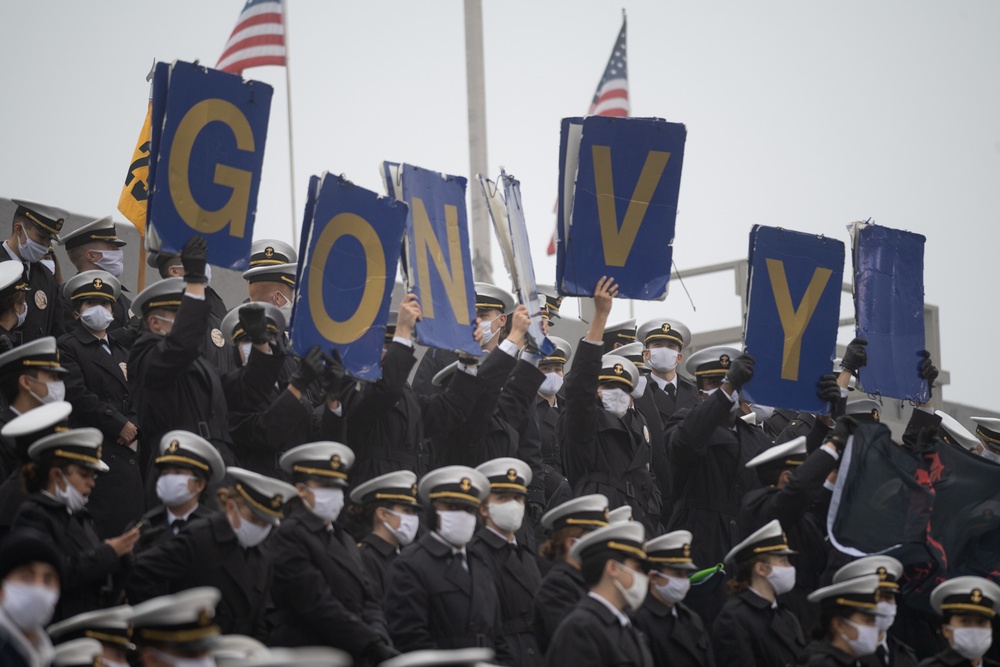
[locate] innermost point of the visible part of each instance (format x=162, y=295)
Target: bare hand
x=128, y=433
x=124, y=543
x=409, y=314
x=604, y=293
x=519, y=325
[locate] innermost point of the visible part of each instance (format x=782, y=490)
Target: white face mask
x=640, y=387
x=456, y=527
x=112, y=261
x=867, y=640
x=177, y=661
x=69, y=496
x=662, y=359
x=675, y=589
x=886, y=616
x=49, y=264
x=781, y=578
x=507, y=516
x=208, y=273
x=763, y=412
x=636, y=593
x=972, y=643
x=22, y=314
x=487, y=329
x=31, y=250
x=248, y=533
x=57, y=392
x=990, y=456
x=173, y=489
x=327, y=503
x=615, y=401
x=97, y=318
x=552, y=384
x=245, y=351
x=30, y=606
x=408, y=524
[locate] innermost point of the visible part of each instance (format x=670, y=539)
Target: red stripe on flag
x=612, y=94
x=240, y=65
x=552, y=245
x=249, y=42
x=614, y=112
x=259, y=19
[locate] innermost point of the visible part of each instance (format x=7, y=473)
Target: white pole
x=291, y=142
x=475, y=75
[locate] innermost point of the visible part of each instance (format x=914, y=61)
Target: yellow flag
x=135, y=192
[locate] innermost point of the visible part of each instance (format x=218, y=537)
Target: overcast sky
x=799, y=115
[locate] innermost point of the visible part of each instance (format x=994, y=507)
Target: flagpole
x=475, y=76
x=291, y=142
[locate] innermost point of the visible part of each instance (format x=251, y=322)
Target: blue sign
x=616, y=218
x=347, y=270
x=438, y=258
x=889, y=306
x=793, y=313
x=211, y=127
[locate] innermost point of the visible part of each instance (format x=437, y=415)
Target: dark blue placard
x=889, y=306
x=624, y=205
x=208, y=161
x=161, y=75
x=437, y=234
x=793, y=313
x=347, y=271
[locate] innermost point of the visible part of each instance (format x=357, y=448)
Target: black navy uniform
x=377, y=555
x=43, y=299
x=561, y=590
x=750, y=632
x=97, y=387
x=592, y=636
x=677, y=636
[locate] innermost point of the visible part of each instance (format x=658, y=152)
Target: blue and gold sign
x=347, y=273
x=889, y=306
x=619, y=183
x=438, y=266
x=793, y=312
x=209, y=140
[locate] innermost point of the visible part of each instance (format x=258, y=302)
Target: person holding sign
x=173, y=386
x=708, y=447
x=388, y=421
x=605, y=441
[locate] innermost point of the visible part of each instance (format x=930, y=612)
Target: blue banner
x=889, y=306
x=437, y=243
x=347, y=270
x=793, y=313
x=617, y=217
x=210, y=130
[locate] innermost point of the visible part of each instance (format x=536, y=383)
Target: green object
x=701, y=576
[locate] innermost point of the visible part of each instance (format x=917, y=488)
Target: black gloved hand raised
x=856, y=356
x=309, y=369
x=828, y=389
x=254, y=323
x=193, y=258
x=928, y=371
x=333, y=375
x=740, y=371
x=841, y=431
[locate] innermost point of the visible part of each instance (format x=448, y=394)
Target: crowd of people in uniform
x=181, y=490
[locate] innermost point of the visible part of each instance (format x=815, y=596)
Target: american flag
x=258, y=39
x=611, y=97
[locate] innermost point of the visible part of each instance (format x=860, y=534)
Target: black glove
x=309, y=369
x=856, y=356
x=378, y=652
x=333, y=375
x=841, y=431
x=740, y=371
x=6, y=345
x=928, y=371
x=535, y=512
x=828, y=389
x=193, y=259
x=254, y=323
